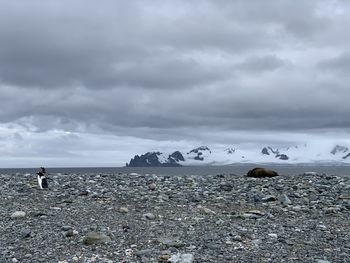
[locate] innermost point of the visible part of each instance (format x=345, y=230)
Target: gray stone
x=66, y=228
x=149, y=216
x=152, y=187
x=170, y=242
x=69, y=233
x=284, y=199
x=26, y=233
x=94, y=238
x=226, y=187
x=18, y=214
x=123, y=209
x=256, y=242
x=269, y=198
x=144, y=252
x=182, y=258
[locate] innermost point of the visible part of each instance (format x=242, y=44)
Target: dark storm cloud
x=340, y=63
x=261, y=64
x=87, y=43
x=166, y=67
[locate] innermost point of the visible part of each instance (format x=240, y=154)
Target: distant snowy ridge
x=203, y=155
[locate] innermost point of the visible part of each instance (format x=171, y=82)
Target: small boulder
x=26, y=233
x=94, y=238
x=182, y=258
x=149, y=216
x=69, y=233
x=152, y=187
x=18, y=214
x=268, y=198
x=123, y=209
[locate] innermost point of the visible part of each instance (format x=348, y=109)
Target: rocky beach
x=179, y=219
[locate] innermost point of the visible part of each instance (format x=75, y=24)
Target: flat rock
x=94, y=238
x=182, y=258
x=269, y=198
x=26, y=233
x=18, y=214
x=149, y=216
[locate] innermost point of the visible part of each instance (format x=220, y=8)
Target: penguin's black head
x=40, y=174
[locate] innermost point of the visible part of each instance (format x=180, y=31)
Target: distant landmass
x=203, y=155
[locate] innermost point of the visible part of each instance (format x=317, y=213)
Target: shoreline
x=238, y=169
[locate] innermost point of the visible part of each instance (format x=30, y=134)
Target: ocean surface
x=240, y=169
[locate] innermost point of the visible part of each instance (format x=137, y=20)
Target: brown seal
x=261, y=172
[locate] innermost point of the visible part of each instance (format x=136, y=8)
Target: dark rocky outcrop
x=282, y=156
x=265, y=151
x=199, y=152
x=346, y=156
x=151, y=159
x=269, y=151
x=144, y=160
x=339, y=149
x=200, y=149
x=176, y=157
x=230, y=150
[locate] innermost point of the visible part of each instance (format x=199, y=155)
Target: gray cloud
x=162, y=71
x=340, y=63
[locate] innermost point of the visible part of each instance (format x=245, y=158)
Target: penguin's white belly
x=40, y=182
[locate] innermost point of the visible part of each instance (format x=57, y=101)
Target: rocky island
x=158, y=218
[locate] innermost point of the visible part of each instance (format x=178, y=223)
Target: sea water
x=239, y=169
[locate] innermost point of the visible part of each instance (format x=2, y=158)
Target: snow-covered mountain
x=204, y=155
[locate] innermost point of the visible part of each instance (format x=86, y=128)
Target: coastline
x=238, y=169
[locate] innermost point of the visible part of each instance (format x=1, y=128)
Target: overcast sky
x=91, y=83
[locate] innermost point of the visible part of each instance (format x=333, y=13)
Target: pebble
x=284, y=199
x=256, y=242
x=123, y=209
x=18, y=214
x=181, y=258
x=296, y=208
x=152, y=187
x=69, y=233
x=26, y=233
x=237, y=238
x=66, y=228
x=269, y=198
x=94, y=238
x=149, y=216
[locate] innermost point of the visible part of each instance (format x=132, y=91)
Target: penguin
x=42, y=179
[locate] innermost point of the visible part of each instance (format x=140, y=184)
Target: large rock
x=261, y=172
x=94, y=238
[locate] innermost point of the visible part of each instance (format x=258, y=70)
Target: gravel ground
x=184, y=219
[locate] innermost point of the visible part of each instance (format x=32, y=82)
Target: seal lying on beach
x=261, y=172
x=42, y=179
